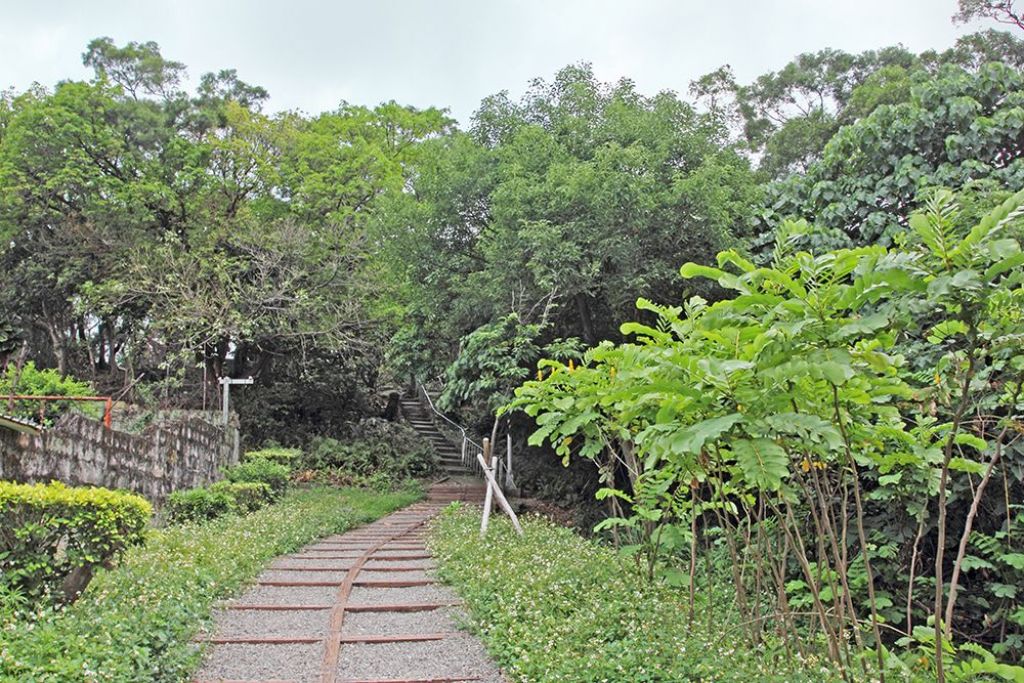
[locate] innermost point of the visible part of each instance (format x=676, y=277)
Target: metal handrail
x=444, y=417
x=470, y=448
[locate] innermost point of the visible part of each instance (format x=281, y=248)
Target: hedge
x=248, y=496
x=52, y=537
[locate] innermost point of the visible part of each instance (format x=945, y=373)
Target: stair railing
x=469, y=449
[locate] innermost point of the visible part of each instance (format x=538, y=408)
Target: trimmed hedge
x=136, y=622
x=197, y=505
x=52, y=537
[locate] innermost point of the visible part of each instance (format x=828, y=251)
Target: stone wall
x=170, y=455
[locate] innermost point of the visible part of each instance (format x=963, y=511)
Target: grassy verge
x=135, y=623
x=553, y=606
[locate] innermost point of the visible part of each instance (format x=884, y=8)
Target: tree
x=1002, y=11
x=138, y=68
x=959, y=129
x=154, y=239
x=785, y=118
x=555, y=212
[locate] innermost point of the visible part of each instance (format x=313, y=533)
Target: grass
x=136, y=622
x=553, y=606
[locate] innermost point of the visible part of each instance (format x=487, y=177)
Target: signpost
x=226, y=382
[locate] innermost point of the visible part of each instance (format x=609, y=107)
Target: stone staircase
x=449, y=454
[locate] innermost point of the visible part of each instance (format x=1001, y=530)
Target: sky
x=452, y=53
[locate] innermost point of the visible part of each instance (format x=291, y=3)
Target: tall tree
x=1002, y=11
x=560, y=209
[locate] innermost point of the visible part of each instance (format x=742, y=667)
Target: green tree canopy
x=561, y=209
x=959, y=129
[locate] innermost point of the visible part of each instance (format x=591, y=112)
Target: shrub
x=137, y=622
x=260, y=471
x=289, y=457
x=199, y=504
x=32, y=381
x=249, y=496
x=330, y=454
x=374, y=446
x=52, y=536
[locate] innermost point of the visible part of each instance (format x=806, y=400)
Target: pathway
x=360, y=607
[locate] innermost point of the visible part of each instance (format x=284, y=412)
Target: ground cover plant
x=134, y=623
x=552, y=606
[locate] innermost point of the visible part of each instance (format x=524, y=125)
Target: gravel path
x=376, y=575
x=400, y=596
x=269, y=623
x=306, y=562
x=382, y=623
x=403, y=564
x=296, y=575
x=457, y=656
x=288, y=595
x=251, y=644
x=263, y=662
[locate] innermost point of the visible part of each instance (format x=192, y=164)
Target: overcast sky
x=451, y=53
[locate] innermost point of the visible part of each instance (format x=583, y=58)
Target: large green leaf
x=764, y=463
x=693, y=438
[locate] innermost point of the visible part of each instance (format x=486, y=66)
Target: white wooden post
x=502, y=501
x=508, y=462
x=488, y=498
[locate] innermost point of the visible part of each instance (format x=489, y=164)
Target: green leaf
x=966, y=465
x=945, y=330
x=692, y=439
x=836, y=373
x=1015, y=560
x=1003, y=590
x=763, y=462
x=967, y=439
x=605, y=493
x=972, y=562
x=1004, y=265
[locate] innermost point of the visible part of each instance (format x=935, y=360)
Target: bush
x=260, y=471
x=219, y=499
x=249, y=496
x=52, y=537
x=32, y=381
x=199, y=504
x=137, y=622
x=374, y=446
x=289, y=457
